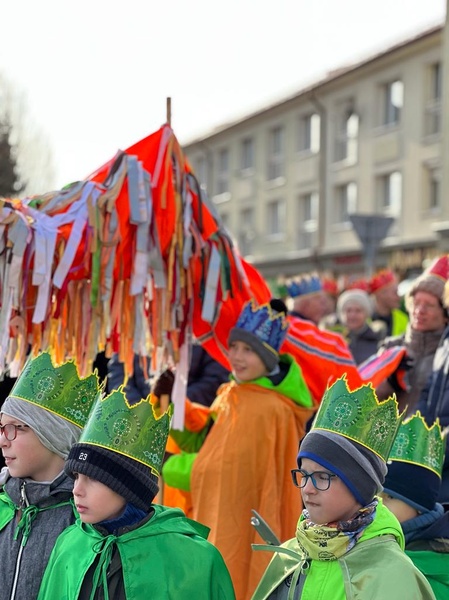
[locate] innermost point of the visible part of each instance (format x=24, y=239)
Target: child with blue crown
x=40, y=420
x=123, y=546
x=347, y=543
x=258, y=419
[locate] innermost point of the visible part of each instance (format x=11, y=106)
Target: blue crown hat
x=263, y=328
x=264, y=322
x=300, y=286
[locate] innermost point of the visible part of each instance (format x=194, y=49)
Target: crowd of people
x=101, y=499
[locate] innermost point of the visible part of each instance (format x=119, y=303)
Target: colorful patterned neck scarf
x=333, y=540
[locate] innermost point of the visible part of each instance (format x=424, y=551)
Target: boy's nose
x=77, y=488
x=309, y=487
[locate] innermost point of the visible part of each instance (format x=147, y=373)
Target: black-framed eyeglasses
x=321, y=480
x=10, y=430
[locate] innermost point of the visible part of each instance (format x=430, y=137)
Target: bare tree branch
x=26, y=163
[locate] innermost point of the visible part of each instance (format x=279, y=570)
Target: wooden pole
x=169, y=111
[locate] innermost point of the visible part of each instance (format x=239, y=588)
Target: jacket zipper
x=23, y=503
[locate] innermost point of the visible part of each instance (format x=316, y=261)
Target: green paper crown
x=132, y=430
x=419, y=444
x=59, y=390
x=359, y=416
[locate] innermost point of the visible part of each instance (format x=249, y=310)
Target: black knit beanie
x=415, y=485
x=127, y=477
x=360, y=469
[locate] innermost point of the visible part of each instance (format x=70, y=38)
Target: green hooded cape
x=167, y=557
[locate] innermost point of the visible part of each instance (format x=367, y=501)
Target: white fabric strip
x=180, y=388
x=210, y=296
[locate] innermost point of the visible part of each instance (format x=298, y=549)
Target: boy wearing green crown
x=347, y=544
x=123, y=547
x=40, y=420
x=411, y=490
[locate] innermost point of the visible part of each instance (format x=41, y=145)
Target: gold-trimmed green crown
x=359, y=416
x=419, y=444
x=133, y=430
x=58, y=389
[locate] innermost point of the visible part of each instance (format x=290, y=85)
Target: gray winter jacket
x=27, y=536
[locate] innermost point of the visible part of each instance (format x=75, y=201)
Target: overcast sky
x=97, y=73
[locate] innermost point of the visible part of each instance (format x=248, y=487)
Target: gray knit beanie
x=54, y=432
x=268, y=356
x=432, y=280
x=360, y=469
x=127, y=477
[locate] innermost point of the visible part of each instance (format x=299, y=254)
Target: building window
x=393, y=102
x=308, y=220
x=276, y=218
x=309, y=133
x=347, y=137
x=436, y=81
x=247, y=232
x=223, y=172
x=309, y=207
x=433, y=188
x=247, y=154
x=275, y=167
x=346, y=201
x=433, y=104
x=390, y=193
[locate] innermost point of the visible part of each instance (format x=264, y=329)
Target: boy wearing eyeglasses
x=40, y=420
x=347, y=543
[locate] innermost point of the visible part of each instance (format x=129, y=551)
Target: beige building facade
x=366, y=140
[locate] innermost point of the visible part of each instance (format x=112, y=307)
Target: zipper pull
x=22, y=503
x=23, y=497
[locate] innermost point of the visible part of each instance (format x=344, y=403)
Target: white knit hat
x=358, y=296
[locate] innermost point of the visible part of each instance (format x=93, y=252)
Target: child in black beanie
x=122, y=545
